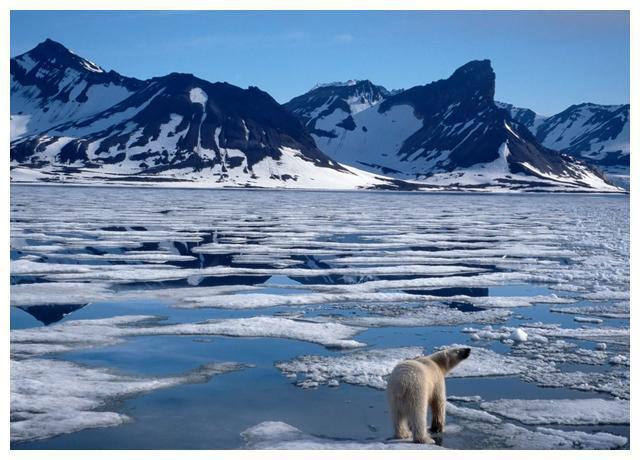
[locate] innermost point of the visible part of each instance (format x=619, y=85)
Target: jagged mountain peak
x=350, y=85
x=55, y=53
x=50, y=85
x=471, y=85
x=351, y=82
x=336, y=100
x=478, y=69
x=351, y=91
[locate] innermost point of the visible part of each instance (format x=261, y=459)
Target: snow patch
x=198, y=96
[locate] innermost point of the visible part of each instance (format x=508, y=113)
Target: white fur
x=414, y=386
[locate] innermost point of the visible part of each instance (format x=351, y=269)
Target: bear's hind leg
x=438, y=412
x=418, y=423
x=400, y=427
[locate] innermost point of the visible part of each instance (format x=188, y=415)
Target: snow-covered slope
x=595, y=133
x=51, y=85
x=330, y=106
x=449, y=134
x=174, y=129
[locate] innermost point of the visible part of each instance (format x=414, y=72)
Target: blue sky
x=543, y=60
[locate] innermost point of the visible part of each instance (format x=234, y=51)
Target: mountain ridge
x=448, y=132
x=72, y=120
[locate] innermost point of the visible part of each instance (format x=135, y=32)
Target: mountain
x=596, y=134
x=526, y=117
x=345, y=99
x=84, y=124
x=51, y=85
x=449, y=133
x=72, y=121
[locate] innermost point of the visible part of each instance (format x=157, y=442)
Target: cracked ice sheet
x=370, y=367
x=260, y=300
x=541, y=332
x=25, y=295
x=614, y=382
x=78, y=334
x=281, y=436
x=510, y=436
x=139, y=273
x=133, y=256
x=480, y=280
x=63, y=293
x=428, y=316
x=621, y=310
x=366, y=368
x=58, y=293
x=52, y=397
x=562, y=411
x=595, y=334
x=154, y=272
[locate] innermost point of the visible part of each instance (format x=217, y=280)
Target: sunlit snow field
x=224, y=319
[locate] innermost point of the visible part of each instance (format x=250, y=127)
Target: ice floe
x=79, y=334
x=24, y=295
x=605, y=311
x=51, y=397
x=615, y=382
x=471, y=414
x=370, y=367
x=428, y=316
x=282, y=436
x=561, y=411
x=510, y=436
x=366, y=368
x=331, y=335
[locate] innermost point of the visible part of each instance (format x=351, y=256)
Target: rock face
x=449, y=133
x=79, y=121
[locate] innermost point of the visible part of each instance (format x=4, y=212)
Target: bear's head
x=450, y=358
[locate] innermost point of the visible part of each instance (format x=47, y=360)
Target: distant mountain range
x=598, y=134
x=72, y=121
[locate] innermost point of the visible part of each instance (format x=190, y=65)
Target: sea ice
x=518, y=335
x=51, y=397
x=281, y=436
x=77, y=334
x=366, y=368
x=370, y=367
x=562, y=411
x=25, y=295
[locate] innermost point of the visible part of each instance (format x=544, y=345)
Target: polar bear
x=416, y=384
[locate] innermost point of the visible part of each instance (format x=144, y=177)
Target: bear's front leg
x=438, y=412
